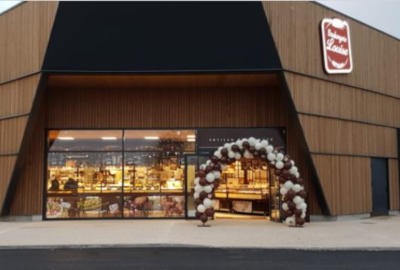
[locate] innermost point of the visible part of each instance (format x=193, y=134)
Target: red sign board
x=336, y=46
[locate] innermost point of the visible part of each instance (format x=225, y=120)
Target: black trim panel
x=160, y=37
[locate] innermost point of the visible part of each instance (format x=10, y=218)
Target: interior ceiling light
x=109, y=138
x=151, y=138
x=66, y=138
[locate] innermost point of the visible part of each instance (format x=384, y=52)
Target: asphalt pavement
x=196, y=258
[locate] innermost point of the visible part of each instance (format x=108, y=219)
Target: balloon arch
x=292, y=190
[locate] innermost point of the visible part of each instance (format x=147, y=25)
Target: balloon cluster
x=293, y=206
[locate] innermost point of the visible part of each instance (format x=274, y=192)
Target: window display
x=117, y=173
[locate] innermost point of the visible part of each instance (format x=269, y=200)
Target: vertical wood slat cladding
x=11, y=134
x=27, y=199
x=330, y=99
x=155, y=108
x=394, y=188
x=163, y=108
x=326, y=135
x=24, y=33
x=6, y=168
x=295, y=27
x=16, y=97
x=346, y=182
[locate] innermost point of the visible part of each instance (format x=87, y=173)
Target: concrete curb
x=148, y=246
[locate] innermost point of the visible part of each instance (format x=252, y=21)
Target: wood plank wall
x=24, y=32
x=161, y=107
x=16, y=100
x=348, y=118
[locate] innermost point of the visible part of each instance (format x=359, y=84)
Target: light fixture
x=191, y=136
x=151, y=137
x=66, y=138
x=109, y=138
x=191, y=139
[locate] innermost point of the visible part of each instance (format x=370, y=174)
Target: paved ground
x=196, y=258
x=371, y=233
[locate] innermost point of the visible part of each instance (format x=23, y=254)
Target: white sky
x=381, y=14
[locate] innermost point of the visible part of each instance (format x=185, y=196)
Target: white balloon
x=207, y=189
x=264, y=143
x=208, y=203
x=271, y=156
x=201, y=208
x=198, y=188
x=291, y=161
x=297, y=188
x=297, y=175
x=252, y=141
x=217, y=174
x=293, y=170
x=208, y=162
x=302, y=206
x=247, y=155
x=303, y=215
x=196, y=181
x=231, y=154
x=298, y=200
x=269, y=148
x=280, y=156
x=218, y=154
x=202, y=167
x=279, y=165
x=290, y=221
x=283, y=190
x=210, y=177
x=258, y=145
x=285, y=206
x=288, y=185
x=196, y=195
x=239, y=143
x=238, y=156
x=226, y=145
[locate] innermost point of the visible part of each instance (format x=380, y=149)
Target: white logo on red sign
x=336, y=46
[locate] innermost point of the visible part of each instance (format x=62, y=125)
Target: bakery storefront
x=150, y=174
x=152, y=110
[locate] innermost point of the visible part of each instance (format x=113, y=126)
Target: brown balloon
x=252, y=149
x=203, y=218
x=298, y=212
x=256, y=153
x=201, y=173
x=217, y=167
x=287, y=165
x=235, y=148
x=262, y=151
x=214, y=159
x=302, y=193
x=203, y=182
x=300, y=221
x=224, y=152
x=203, y=195
x=197, y=201
x=290, y=194
x=209, y=212
x=291, y=205
x=246, y=145
x=198, y=214
x=209, y=168
x=289, y=213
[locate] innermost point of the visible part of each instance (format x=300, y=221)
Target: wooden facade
x=24, y=32
x=346, y=119
x=335, y=123
x=162, y=106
